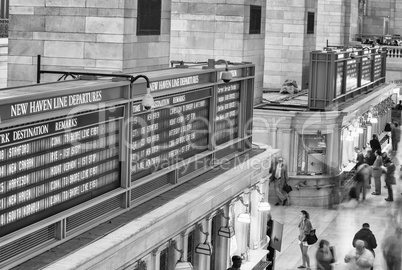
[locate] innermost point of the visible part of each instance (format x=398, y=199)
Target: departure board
x=339, y=78
x=366, y=71
x=227, y=113
x=53, y=165
x=351, y=75
x=178, y=128
x=377, y=67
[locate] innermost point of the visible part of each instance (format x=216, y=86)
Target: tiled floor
x=339, y=225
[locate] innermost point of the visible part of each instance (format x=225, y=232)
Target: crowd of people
x=373, y=165
x=360, y=257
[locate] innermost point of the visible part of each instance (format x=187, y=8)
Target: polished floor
x=340, y=224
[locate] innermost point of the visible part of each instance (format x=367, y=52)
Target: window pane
x=190, y=247
x=149, y=17
x=255, y=19
x=310, y=23
x=311, y=158
x=163, y=260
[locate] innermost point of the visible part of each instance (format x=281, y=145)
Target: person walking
x=367, y=236
x=359, y=157
x=390, y=178
x=375, y=144
x=392, y=249
x=304, y=230
x=395, y=136
x=370, y=157
x=359, y=258
x=324, y=256
x=377, y=172
x=236, y=263
x=280, y=177
x=362, y=178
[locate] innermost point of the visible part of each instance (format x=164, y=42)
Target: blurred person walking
x=280, y=177
x=390, y=178
x=369, y=158
x=392, y=249
x=359, y=157
x=362, y=180
x=324, y=256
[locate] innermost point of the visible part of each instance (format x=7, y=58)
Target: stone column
x=286, y=143
x=221, y=247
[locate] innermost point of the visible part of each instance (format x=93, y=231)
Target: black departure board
x=377, y=67
x=52, y=165
x=339, y=78
x=351, y=75
x=175, y=130
x=227, y=113
x=366, y=71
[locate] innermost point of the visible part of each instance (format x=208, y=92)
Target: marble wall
x=218, y=29
x=87, y=34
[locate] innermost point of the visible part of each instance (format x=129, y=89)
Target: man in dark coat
x=236, y=263
x=367, y=236
x=395, y=136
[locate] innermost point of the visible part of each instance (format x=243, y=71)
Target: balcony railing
x=3, y=28
x=394, y=51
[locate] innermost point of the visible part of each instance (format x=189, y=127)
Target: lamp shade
x=203, y=248
x=226, y=232
x=181, y=265
x=374, y=120
x=148, y=101
x=244, y=217
x=264, y=206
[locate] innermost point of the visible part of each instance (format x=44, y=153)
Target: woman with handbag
x=390, y=178
x=304, y=229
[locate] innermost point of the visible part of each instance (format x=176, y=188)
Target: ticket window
x=312, y=151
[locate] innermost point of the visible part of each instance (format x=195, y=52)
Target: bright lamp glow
x=244, y=217
x=374, y=120
x=360, y=130
x=264, y=206
x=183, y=266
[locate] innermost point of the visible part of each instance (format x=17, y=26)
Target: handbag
x=287, y=188
x=311, y=237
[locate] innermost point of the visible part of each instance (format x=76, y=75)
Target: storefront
x=348, y=102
